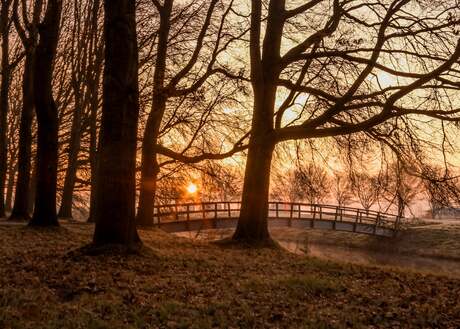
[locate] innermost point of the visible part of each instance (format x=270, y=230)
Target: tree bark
x=150, y=167
x=65, y=211
x=47, y=118
x=149, y=174
x=116, y=173
x=12, y=169
x=4, y=103
x=252, y=224
x=93, y=81
x=22, y=192
x=265, y=70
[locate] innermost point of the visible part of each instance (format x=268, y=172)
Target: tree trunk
x=116, y=173
x=4, y=104
x=93, y=82
x=149, y=174
x=252, y=223
x=12, y=169
x=32, y=189
x=22, y=193
x=47, y=118
x=150, y=167
x=65, y=210
x=93, y=164
x=265, y=70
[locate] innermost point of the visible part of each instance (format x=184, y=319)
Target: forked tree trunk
x=47, y=118
x=265, y=70
x=116, y=186
x=22, y=193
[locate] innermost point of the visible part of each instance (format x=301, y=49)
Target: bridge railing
x=277, y=210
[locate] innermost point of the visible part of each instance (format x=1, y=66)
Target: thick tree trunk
x=116, y=186
x=47, y=119
x=65, y=210
x=22, y=193
x=150, y=167
x=149, y=173
x=4, y=104
x=265, y=70
x=252, y=223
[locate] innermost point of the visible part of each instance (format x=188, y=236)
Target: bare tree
x=47, y=118
x=367, y=189
x=441, y=187
x=84, y=56
x=28, y=33
x=342, y=189
x=337, y=63
x=180, y=77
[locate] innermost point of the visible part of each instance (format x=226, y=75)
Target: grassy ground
x=186, y=284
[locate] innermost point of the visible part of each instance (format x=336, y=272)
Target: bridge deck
x=217, y=215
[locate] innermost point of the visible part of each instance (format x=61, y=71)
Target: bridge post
x=377, y=220
x=356, y=221
x=229, y=210
x=215, y=216
x=188, y=217
x=290, y=215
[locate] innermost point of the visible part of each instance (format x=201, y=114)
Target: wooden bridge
x=221, y=215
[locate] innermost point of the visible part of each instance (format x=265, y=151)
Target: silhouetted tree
x=4, y=91
x=116, y=174
x=341, y=189
x=28, y=33
x=47, y=118
x=336, y=64
x=85, y=58
x=179, y=78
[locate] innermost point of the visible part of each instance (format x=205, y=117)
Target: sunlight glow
x=192, y=188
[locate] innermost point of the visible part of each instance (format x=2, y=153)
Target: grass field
x=179, y=283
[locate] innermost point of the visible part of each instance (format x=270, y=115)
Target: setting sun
x=192, y=188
